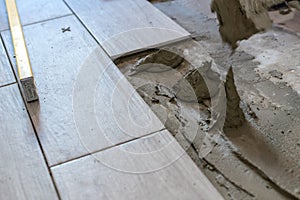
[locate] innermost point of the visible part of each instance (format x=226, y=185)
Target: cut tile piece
x=6, y=74
x=123, y=27
x=34, y=11
x=85, y=104
x=24, y=174
x=153, y=167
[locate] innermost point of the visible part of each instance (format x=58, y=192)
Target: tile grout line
x=31, y=122
x=41, y=21
x=107, y=148
x=41, y=147
x=9, y=61
x=7, y=84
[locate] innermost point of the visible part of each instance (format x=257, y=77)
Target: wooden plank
x=123, y=27
x=97, y=118
x=24, y=174
x=6, y=74
x=34, y=11
x=23, y=63
x=154, y=167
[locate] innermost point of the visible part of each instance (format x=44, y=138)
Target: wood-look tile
x=85, y=104
x=24, y=174
x=123, y=27
x=6, y=73
x=154, y=167
x=34, y=11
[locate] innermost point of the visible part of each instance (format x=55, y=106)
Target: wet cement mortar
x=260, y=158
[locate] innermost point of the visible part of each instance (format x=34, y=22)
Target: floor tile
x=24, y=174
x=124, y=27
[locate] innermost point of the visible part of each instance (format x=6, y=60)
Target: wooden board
x=6, y=74
x=24, y=174
x=34, y=11
x=118, y=174
x=23, y=63
x=124, y=27
x=69, y=128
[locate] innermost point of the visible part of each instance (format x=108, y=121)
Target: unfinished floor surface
x=266, y=73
